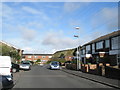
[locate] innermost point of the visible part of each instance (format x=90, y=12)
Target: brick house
x=34, y=57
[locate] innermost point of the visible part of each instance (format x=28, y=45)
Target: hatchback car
x=7, y=81
x=55, y=65
x=25, y=66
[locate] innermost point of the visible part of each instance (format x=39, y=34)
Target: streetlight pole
x=78, y=53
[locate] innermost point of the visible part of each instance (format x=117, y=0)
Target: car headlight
x=9, y=78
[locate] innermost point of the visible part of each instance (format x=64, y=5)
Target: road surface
x=42, y=77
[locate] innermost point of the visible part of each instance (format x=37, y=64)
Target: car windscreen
x=25, y=63
x=55, y=63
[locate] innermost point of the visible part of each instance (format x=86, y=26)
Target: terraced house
x=105, y=49
x=34, y=57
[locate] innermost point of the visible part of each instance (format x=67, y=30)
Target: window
x=82, y=51
x=87, y=49
x=29, y=56
x=43, y=56
x=36, y=56
x=107, y=43
x=99, y=45
x=93, y=48
x=115, y=42
x=50, y=56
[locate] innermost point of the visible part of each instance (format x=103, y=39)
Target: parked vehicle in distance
x=5, y=72
x=55, y=65
x=25, y=66
x=15, y=67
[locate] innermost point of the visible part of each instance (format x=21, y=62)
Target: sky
x=47, y=27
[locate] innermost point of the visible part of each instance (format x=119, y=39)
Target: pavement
x=16, y=76
x=96, y=78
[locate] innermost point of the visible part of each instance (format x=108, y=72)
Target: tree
x=5, y=50
x=8, y=51
x=38, y=60
x=62, y=55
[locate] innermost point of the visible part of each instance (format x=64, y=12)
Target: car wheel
x=14, y=70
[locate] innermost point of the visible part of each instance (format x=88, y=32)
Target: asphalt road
x=42, y=77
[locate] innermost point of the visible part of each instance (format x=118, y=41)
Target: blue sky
x=45, y=27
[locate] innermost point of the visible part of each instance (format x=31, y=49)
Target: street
x=42, y=77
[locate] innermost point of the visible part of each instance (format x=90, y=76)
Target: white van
x=5, y=71
x=5, y=65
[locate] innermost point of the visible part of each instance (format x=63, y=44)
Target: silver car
x=25, y=66
x=55, y=65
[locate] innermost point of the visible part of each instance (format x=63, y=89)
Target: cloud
x=73, y=6
x=70, y=6
x=107, y=17
x=28, y=49
x=57, y=40
x=36, y=12
x=31, y=10
x=7, y=12
x=28, y=34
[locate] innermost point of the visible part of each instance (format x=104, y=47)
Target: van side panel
x=5, y=65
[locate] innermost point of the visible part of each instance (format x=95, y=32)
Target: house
x=34, y=57
x=13, y=48
x=105, y=49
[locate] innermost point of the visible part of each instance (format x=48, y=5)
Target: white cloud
x=57, y=40
x=7, y=12
x=30, y=10
x=28, y=34
x=36, y=12
x=107, y=17
x=28, y=49
x=72, y=6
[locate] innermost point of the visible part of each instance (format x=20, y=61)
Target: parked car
x=25, y=66
x=7, y=81
x=55, y=65
x=5, y=72
x=15, y=67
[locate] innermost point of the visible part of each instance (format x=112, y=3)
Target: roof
x=39, y=54
x=115, y=33
x=10, y=45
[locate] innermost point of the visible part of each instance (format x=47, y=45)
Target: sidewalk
x=16, y=76
x=100, y=79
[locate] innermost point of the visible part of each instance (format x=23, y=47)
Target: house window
x=29, y=56
x=83, y=51
x=50, y=56
x=87, y=49
x=115, y=42
x=93, y=48
x=43, y=56
x=36, y=56
x=107, y=43
x=99, y=45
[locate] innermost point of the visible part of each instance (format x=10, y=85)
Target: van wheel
x=14, y=70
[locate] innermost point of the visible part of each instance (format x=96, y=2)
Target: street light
x=78, y=53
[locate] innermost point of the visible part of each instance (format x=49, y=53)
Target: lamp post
x=78, y=53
